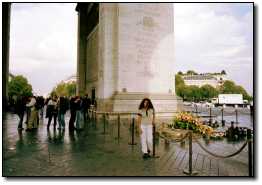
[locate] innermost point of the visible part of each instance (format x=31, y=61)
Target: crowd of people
x=55, y=108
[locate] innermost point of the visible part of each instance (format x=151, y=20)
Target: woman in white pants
x=146, y=120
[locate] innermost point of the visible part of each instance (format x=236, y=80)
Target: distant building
x=70, y=79
x=199, y=80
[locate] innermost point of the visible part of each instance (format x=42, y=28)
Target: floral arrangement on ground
x=187, y=121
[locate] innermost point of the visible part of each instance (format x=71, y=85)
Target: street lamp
x=236, y=106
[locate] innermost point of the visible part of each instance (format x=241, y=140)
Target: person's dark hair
x=150, y=105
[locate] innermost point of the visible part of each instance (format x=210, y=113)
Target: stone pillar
x=6, y=10
x=81, y=52
x=108, y=54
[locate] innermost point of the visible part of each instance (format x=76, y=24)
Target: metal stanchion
x=95, y=122
x=236, y=117
x=196, y=110
x=250, y=154
x=154, y=142
x=210, y=118
x=222, y=121
x=118, y=127
x=190, y=171
x=133, y=133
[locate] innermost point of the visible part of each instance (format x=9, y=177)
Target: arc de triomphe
x=126, y=53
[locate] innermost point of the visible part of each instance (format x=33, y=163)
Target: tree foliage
x=229, y=87
x=71, y=89
x=180, y=73
x=207, y=92
x=19, y=86
x=64, y=89
x=191, y=72
x=193, y=93
x=179, y=80
x=180, y=86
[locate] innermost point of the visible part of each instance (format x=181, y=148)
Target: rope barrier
x=220, y=156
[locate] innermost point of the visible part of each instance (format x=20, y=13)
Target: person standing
x=20, y=110
x=72, y=105
x=41, y=102
x=146, y=120
x=86, y=106
x=62, y=108
x=51, y=111
x=79, y=113
x=32, y=122
x=27, y=109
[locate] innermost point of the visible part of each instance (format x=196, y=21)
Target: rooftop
x=199, y=77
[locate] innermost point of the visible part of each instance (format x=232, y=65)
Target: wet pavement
x=92, y=152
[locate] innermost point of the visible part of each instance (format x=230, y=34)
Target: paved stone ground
x=92, y=153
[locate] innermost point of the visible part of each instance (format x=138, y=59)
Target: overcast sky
x=215, y=36
x=208, y=38
x=43, y=43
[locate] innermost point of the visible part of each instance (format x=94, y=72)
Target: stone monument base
x=164, y=104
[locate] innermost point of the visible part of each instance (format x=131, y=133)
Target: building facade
x=199, y=80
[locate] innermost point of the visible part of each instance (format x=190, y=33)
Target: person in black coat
x=62, y=108
x=86, y=103
x=41, y=103
x=52, y=111
x=20, y=110
x=73, y=107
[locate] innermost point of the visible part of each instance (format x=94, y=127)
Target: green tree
x=208, y=92
x=229, y=87
x=191, y=93
x=64, y=89
x=19, y=86
x=180, y=86
x=71, y=89
x=61, y=90
x=195, y=93
x=191, y=72
x=179, y=80
x=241, y=90
x=180, y=73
